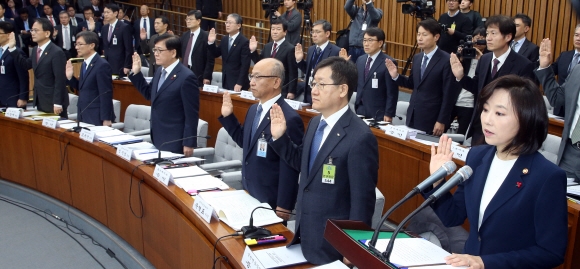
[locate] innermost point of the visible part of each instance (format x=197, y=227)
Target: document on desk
x=280, y=256
x=120, y=139
x=148, y=154
x=108, y=133
x=234, y=208
x=98, y=129
x=74, y=124
x=411, y=252
x=333, y=265
x=189, y=171
x=197, y=183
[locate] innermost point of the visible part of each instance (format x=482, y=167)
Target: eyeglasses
x=369, y=40
x=79, y=44
x=314, y=84
x=190, y=19
x=257, y=77
x=230, y=22
x=159, y=50
x=316, y=32
x=36, y=30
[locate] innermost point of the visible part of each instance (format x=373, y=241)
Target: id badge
x=2, y=70
x=364, y=26
x=262, y=147
x=328, y=172
x=453, y=26
x=375, y=81
x=114, y=40
x=310, y=78
x=73, y=38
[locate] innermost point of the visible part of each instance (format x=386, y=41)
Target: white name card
x=162, y=175
x=50, y=123
x=124, y=153
x=203, y=209
x=459, y=152
x=250, y=261
x=87, y=135
x=247, y=95
x=210, y=88
x=296, y=105
x=397, y=132
x=13, y=112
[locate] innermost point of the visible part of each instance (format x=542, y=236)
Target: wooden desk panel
x=125, y=92
x=16, y=159
x=50, y=179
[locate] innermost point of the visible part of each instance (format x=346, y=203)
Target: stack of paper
x=120, y=139
x=74, y=124
x=141, y=145
x=200, y=183
x=574, y=190
x=97, y=129
x=409, y=252
x=280, y=256
x=148, y=154
x=187, y=160
x=107, y=133
x=189, y=171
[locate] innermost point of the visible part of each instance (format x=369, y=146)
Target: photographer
x=455, y=27
x=293, y=19
x=362, y=18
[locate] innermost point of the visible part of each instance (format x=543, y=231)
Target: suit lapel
x=433, y=62
x=417, y=71
x=376, y=63
x=509, y=64
x=169, y=79
x=524, y=47
x=89, y=69
x=45, y=53
x=248, y=125
x=268, y=50
x=307, y=143
x=485, y=66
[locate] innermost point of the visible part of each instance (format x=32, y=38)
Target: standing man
x=457, y=27
x=210, y=9
x=91, y=23
x=521, y=44
x=161, y=23
x=338, y=160
x=292, y=18
x=97, y=7
x=282, y=50
x=74, y=21
x=145, y=23
x=321, y=50
x=362, y=18
x=23, y=26
x=195, y=55
x=117, y=42
x=48, y=14
x=564, y=64
x=13, y=78
x=434, y=88
x=58, y=7
x=65, y=36
x=174, y=100
x=265, y=175
x=235, y=52
x=35, y=10
x=48, y=64
x=94, y=84
x=472, y=15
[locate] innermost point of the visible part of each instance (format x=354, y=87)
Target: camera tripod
x=307, y=26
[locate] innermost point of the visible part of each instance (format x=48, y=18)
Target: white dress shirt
x=195, y=35
x=331, y=121
x=267, y=105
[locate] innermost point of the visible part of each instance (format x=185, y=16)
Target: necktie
x=573, y=63
x=318, y=50
x=575, y=137
x=110, y=32
x=288, y=14
x=73, y=21
x=316, y=143
x=424, y=65
x=51, y=20
x=1, y=53
x=230, y=42
x=514, y=43
x=161, y=79
x=368, y=67
x=83, y=69
x=145, y=27
x=494, y=69
x=274, y=50
x=38, y=52
x=256, y=120
x=66, y=37
x=185, y=59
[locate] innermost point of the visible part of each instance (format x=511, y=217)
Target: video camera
x=466, y=49
x=305, y=5
x=271, y=6
x=420, y=8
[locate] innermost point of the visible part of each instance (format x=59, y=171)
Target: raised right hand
x=227, y=106
x=440, y=155
x=136, y=63
x=545, y=53
x=143, y=34
x=298, y=52
x=343, y=54
x=277, y=122
x=392, y=68
x=211, y=36
x=456, y=66
x=69, y=70
x=91, y=24
x=253, y=44
x=11, y=40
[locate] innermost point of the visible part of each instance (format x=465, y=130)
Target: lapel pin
x=525, y=171
x=518, y=184
x=337, y=134
x=174, y=76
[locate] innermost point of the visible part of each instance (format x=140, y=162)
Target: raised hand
x=55, y=33
x=277, y=122
x=545, y=53
x=91, y=24
x=392, y=68
x=170, y=32
x=456, y=66
x=298, y=52
x=143, y=34
x=69, y=70
x=441, y=154
x=11, y=40
x=343, y=54
x=227, y=106
x=211, y=36
x=253, y=44
x=136, y=63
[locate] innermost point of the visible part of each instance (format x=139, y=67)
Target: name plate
x=87, y=135
x=13, y=112
x=203, y=209
x=124, y=153
x=296, y=105
x=50, y=123
x=397, y=132
x=247, y=95
x=210, y=88
x=162, y=175
x=250, y=261
x=459, y=152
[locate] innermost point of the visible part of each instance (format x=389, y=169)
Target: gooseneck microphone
x=252, y=231
x=159, y=159
x=10, y=97
x=78, y=128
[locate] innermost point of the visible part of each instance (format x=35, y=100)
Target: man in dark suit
x=48, y=14
x=235, y=52
x=48, y=63
x=3, y=18
x=94, y=84
x=142, y=23
x=321, y=50
x=563, y=66
x=161, y=23
x=377, y=93
x=117, y=41
x=282, y=50
x=173, y=95
x=23, y=25
x=500, y=61
x=293, y=18
x=91, y=23
x=65, y=35
x=209, y=9
x=58, y=7
x=13, y=78
x=435, y=90
x=521, y=44
x=35, y=10
x=265, y=175
x=195, y=54
x=338, y=160
x=74, y=21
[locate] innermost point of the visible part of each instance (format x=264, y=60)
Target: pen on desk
x=196, y=192
x=148, y=152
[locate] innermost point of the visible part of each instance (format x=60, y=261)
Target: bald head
x=268, y=76
x=144, y=11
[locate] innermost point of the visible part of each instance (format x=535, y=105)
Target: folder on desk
x=120, y=139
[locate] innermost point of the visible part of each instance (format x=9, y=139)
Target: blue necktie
x=368, y=66
x=230, y=43
x=256, y=120
x=573, y=63
x=424, y=65
x=1, y=53
x=316, y=143
x=161, y=79
x=83, y=69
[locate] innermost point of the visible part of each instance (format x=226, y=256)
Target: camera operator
x=362, y=18
x=455, y=26
x=293, y=19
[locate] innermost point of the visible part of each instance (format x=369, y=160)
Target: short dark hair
x=23, y=11
x=3, y=5
x=69, y=6
x=343, y=72
x=236, y=17
x=164, y=19
x=195, y=13
x=376, y=32
x=46, y=25
x=113, y=7
x=171, y=43
x=278, y=21
x=47, y=5
x=6, y=27
x=90, y=38
x=525, y=19
x=505, y=24
x=430, y=25
x=326, y=26
x=87, y=8
x=480, y=31
x=528, y=104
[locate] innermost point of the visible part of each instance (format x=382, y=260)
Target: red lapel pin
x=519, y=184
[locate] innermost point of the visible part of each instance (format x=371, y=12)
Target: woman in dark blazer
x=11, y=10
x=515, y=200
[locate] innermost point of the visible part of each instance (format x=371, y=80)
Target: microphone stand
x=78, y=128
x=252, y=231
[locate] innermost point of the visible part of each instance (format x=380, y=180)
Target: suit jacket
x=308, y=65
x=270, y=179
x=562, y=95
x=294, y=21
x=354, y=152
x=560, y=68
x=434, y=96
x=201, y=63
x=35, y=12
x=235, y=63
x=137, y=32
x=78, y=20
x=524, y=225
x=72, y=37
x=56, y=9
x=55, y=18
x=14, y=81
x=174, y=108
x=382, y=100
x=95, y=81
x=286, y=55
x=209, y=8
x=119, y=55
x=530, y=50
x=49, y=77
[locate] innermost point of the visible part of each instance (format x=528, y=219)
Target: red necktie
x=38, y=52
x=51, y=20
x=274, y=50
x=187, y=54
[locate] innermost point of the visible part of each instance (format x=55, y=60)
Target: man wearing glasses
x=264, y=174
x=173, y=94
x=13, y=78
x=195, y=55
x=117, y=41
x=95, y=83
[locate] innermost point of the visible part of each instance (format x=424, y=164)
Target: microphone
x=78, y=128
x=286, y=85
x=252, y=231
x=462, y=174
x=375, y=122
x=10, y=97
x=445, y=170
x=159, y=159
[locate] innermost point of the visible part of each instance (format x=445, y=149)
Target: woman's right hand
x=440, y=154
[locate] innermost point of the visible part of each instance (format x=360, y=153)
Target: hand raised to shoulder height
x=136, y=68
x=277, y=121
x=227, y=106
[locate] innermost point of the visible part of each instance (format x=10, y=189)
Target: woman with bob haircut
x=515, y=200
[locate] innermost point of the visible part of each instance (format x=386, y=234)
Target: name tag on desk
x=162, y=175
x=296, y=105
x=210, y=88
x=397, y=132
x=459, y=152
x=87, y=135
x=247, y=95
x=250, y=261
x=50, y=123
x=203, y=209
x=124, y=153
x=13, y=112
